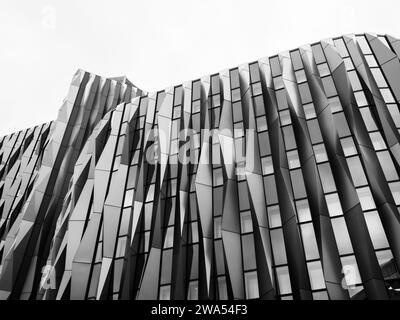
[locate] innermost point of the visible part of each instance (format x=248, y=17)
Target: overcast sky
x=155, y=43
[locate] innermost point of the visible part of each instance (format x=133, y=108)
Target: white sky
x=155, y=43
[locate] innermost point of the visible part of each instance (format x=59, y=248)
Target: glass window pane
x=267, y=165
x=387, y=166
x=320, y=295
x=299, y=189
x=384, y=256
x=309, y=111
x=335, y=104
x=371, y=60
x=169, y=238
x=303, y=210
x=309, y=242
x=356, y=171
x=342, y=236
x=193, y=290
x=380, y=80
x=333, y=203
x=249, y=254
x=243, y=196
x=274, y=216
x=315, y=132
x=300, y=76
x=293, y=159
x=262, y=124
x=222, y=289
x=246, y=221
x=278, y=246
x=282, y=274
x=395, y=188
x=251, y=284
x=355, y=82
x=316, y=275
x=165, y=292
x=320, y=153
x=348, y=146
x=361, y=99
x=323, y=69
x=217, y=227
x=376, y=231
x=350, y=269
x=166, y=266
x=366, y=200
x=368, y=119
x=341, y=124
x=394, y=112
x=305, y=93
x=329, y=86
x=387, y=96
x=285, y=117
x=328, y=184
x=288, y=134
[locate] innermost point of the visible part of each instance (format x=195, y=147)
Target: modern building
x=278, y=179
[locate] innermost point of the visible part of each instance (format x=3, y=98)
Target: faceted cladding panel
x=278, y=179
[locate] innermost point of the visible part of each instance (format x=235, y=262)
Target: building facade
x=278, y=179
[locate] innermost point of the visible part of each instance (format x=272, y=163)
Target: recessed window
x=364, y=45
x=165, y=292
x=323, y=69
x=293, y=159
x=299, y=189
x=251, y=283
x=257, y=89
x=193, y=290
x=288, y=134
x=395, y=189
x=348, y=64
x=380, y=80
x=309, y=242
x=267, y=165
x=350, y=267
x=274, y=216
x=355, y=82
x=325, y=172
x=196, y=106
x=217, y=227
x=236, y=94
x=356, y=171
x=377, y=140
x=387, y=166
x=218, y=178
x=305, y=93
x=368, y=119
x=262, y=124
x=394, y=112
x=282, y=274
x=285, y=117
x=360, y=98
x=128, y=197
x=303, y=210
x=333, y=203
x=348, y=146
x=341, y=124
x=342, y=236
x=278, y=83
x=315, y=132
x=376, y=231
x=246, y=222
x=309, y=111
x=169, y=238
x=387, y=96
x=278, y=246
x=222, y=289
x=320, y=153
x=317, y=279
x=329, y=86
x=300, y=76
x=366, y=200
x=334, y=104
x=371, y=60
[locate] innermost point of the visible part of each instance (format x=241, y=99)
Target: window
x=165, y=292
x=217, y=227
x=366, y=200
x=364, y=45
x=360, y=99
x=169, y=238
x=320, y=153
x=300, y=76
x=251, y=284
x=278, y=246
x=318, y=53
x=316, y=275
x=341, y=124
x=356, y=171
x=323, y=69
x=282, y=274
x=309, y=242
x=262, y=124
x=368, y=119
x=293, y=159
x=329, y=86
x=195, y=232
x=303, y=210
x=289, y=137
x=128, y=197
x=387, y=166
x=394, y=112
x=395, y=189
x=278, y=83
x=267, y=165
x=285, y=117
x=380, y=80
x=246, y=222
x=249, y=255
x=298, y=184
x=348, y=146
x=387, y=96
x=222, y=290
x=371, y=60
x=309, y=111
x=315, y=132
x=350, y=268
x=218, y=178
x=342, y=236
x=328, y=184
x=320, y=295
x=355, y=82
x=274, y=216
x=348, y=64
x=377, y=141
x=335, y=104
x=254, y=72
x=333, y=203
x=193, y=290
x=305, y=93
x=376, y=231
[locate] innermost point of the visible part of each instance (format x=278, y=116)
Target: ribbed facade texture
x=278, y=179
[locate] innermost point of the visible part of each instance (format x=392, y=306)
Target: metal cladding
x=278, y=179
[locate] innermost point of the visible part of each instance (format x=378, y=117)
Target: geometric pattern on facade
x=278, y=179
